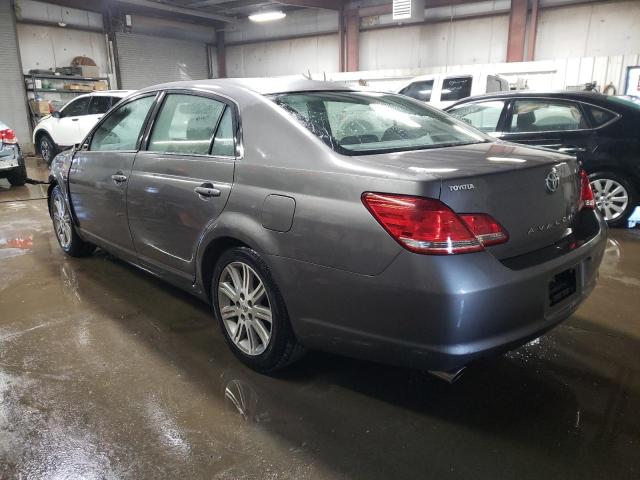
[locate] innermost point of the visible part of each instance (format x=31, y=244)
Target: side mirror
x=56, y=114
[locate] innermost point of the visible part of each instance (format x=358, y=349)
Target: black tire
x=18, y=176
x=619, y=220
x=282, y=348
x=47, y=148
x=70, y=242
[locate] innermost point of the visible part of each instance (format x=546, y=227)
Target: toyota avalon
x=403, y=236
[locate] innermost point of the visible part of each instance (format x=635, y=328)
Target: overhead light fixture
x=267, y=16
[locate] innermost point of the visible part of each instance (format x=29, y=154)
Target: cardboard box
x=78, y=87
x=90, y=71
x=101, y=85
x=40, y=106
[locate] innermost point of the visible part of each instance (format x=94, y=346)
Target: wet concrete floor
x=107, y=373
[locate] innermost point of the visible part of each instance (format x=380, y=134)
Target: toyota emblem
x=552, y=182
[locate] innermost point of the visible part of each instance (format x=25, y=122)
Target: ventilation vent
x=401, y=9
x=411, y=10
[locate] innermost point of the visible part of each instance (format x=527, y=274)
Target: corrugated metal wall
x=13, y=109
x=145, y=60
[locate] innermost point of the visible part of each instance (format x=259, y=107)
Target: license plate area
x=562, y=286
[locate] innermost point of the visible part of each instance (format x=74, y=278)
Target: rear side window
x=600, y=117
x=223, y=143
x=546, y=115
x=484, y=115
x=76, y=108
x=99, y=105
x=419, y=90
x=121, y=129
x=186, y=124
x=456, y=88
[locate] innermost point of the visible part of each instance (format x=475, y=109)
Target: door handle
x=119, y=177
x=207, y=190
x=75, y=119
x=572, y=150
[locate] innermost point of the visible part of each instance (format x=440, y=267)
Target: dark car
x=11, y=162
x=602, y=132
x=400, y=239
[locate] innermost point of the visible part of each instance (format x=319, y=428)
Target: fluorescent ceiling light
x=267, y=16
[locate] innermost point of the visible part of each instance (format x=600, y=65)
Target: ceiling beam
x=327, y=4
x=178, y=10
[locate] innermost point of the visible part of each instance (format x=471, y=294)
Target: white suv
x=65, y=128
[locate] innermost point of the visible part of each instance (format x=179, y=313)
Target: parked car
x=407, y=243
x=67, y=127
x=601, y=131
x=11, y=162
x=442, y=90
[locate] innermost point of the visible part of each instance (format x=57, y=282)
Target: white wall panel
x=481, y=40
x=599, y=29
x=284, y=57
x=49, y=47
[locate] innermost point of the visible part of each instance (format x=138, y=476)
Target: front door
x=66, y=129
x=181, y=182
x=556, y=124
x=100, y=173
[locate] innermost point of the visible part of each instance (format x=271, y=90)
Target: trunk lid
x=533, y=193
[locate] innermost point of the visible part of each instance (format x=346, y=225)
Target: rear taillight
x=426, y=225
x=8, y=136
x=587, y=199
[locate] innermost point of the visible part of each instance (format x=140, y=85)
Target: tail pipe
x=450, y=376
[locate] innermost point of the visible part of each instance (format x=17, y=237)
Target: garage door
x=145, y=60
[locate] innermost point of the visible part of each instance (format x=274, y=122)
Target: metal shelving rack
x=33, y=92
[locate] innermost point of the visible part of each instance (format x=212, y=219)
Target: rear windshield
x=356, y=123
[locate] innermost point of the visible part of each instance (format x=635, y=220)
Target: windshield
x=356, y=123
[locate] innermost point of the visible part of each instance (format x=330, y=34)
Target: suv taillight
x=426, y=225
x=587, y=199
x=8, y=136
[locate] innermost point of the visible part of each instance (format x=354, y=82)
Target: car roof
x=584, y=96
x=263, y=86
x=105, y=93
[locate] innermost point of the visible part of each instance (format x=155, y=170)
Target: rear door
x=557, y=124
x=181, y=181
x=100, y=173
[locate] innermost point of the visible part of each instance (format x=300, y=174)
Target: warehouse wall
x=50, y=47
x=13, y=110
x=605, y=28
x=480, y=40
x=284, y=57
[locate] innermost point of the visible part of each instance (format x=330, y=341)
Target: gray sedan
x=315, y=216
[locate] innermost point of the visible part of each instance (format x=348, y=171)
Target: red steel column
x=352, y=41
x=517, y=31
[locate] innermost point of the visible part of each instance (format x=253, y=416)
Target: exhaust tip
x=449, y=376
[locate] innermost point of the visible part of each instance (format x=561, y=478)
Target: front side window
x=121, y=129
x=186, y=124
x=76, y=108
x=99, y=105
x=419, y=90
x=546, y=115
x=484, y=115
x=365, y=122
x=456, y=88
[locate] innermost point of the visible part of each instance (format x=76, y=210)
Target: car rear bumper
x=436, y=312
x=10, y=157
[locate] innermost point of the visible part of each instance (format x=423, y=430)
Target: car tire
x=615, y=197
x=47, y=148
x=18, y=176
x=242, y=310
x=64, y=229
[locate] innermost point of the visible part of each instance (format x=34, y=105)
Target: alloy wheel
x=244, y=308
x=61, y=221
x=612, y=198
x=45, y=149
